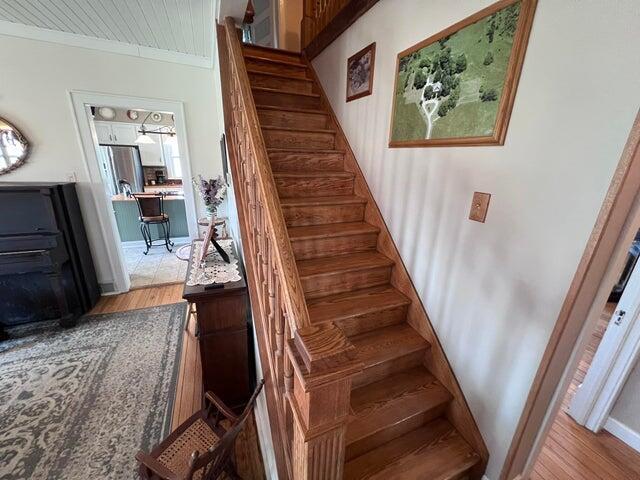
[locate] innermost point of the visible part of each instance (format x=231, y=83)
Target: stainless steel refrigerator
x=123, y=163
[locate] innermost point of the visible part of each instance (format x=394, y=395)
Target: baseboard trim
x=623, y=433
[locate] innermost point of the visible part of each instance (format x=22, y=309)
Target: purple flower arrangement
x=211, y=191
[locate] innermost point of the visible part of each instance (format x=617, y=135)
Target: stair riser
x=283, y=83
x=329, y=284
x=298, y=162
x=324, y=247
x=270, y=67
x=382, y=370
x=313, y=186
x=280, y=99
x=367, y=444
x=365, y=323
x=298, y=139
x=274, y=54
x=287, y=119
x=322, y=214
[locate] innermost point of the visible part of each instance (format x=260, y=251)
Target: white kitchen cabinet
x=111, y=133
x=103, y=131
x=124, y=133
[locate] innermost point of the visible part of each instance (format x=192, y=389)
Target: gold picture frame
x=355, y=62
x=505, y=74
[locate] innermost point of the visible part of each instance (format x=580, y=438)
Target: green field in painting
x=409, y=122
x=452, y=87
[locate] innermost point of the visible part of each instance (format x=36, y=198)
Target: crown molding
x=111, y=46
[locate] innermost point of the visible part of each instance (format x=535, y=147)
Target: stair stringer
x=458, y=413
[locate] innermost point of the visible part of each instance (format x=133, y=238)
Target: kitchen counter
x=123, y=198
x=126, y=213
x=163, y=188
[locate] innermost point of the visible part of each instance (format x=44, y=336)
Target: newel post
x=324, y=363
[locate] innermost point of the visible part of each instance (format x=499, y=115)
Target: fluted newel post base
x=321, y=457
x=324, y=363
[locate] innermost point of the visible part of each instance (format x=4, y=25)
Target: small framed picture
x=226, y=173
x=360, y=73
x=208, y=236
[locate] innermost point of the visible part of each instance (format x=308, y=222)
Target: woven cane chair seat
x=202, y=447
x=198, y=437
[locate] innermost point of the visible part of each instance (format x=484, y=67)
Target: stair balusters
x=308, y=369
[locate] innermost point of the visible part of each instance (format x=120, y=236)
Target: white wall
x=289, y=19
x=627, y=407
x=35, y=80
x=494, y=290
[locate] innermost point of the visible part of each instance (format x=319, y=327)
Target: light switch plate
x=479, y=206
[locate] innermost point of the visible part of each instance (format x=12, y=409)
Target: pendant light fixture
x=144, y=138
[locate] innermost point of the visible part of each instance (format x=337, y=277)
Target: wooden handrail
x=307, y=368
x=267, y=193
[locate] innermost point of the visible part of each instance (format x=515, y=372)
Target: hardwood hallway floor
x=572, y=452
x=189, y=386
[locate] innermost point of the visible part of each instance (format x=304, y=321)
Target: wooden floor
x=189, y=386
x=573, y=452
x=140, y=298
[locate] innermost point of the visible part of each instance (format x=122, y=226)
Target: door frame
x=80, y=102
x=613, y=361
x=602, y=259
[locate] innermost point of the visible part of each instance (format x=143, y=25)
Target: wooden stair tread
x=387, y=343
x=283, y=51
x=330, y=230
x=255, y=71
x=286, y=92
x=292, y=109
x=321, y=201
x=305, y=151
x=342, y=263
x=312, y=174
x=301, y=129
x=359, y=302
x=433, y=452
x=263, y=58
x=392, y=400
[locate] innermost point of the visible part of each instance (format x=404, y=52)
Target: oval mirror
x=14, y=147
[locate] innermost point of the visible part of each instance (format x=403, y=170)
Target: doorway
x=599, y=269
x=264, y=23
x=132, y=147
x=139, y=159
x=595, y=433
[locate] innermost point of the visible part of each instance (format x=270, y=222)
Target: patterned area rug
x=79, y=403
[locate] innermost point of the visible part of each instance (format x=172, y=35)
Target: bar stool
x=151, y=210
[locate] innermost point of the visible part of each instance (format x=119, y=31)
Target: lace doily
x=215, y=270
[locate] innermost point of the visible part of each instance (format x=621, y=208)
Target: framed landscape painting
x=458, y=86
x=360, y=73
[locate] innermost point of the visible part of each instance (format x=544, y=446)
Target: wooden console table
x=222, y=316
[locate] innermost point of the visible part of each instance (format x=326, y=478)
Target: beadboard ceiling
x=170, y=30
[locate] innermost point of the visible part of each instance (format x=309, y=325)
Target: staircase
x=407, y=418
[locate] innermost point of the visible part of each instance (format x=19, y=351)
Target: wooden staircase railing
x=307, y=369
x=316, y=15
x=324, y=20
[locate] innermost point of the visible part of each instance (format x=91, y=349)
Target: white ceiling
x=183, y=27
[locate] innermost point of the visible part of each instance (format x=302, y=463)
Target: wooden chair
x=200, y=448
x=151, y=210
